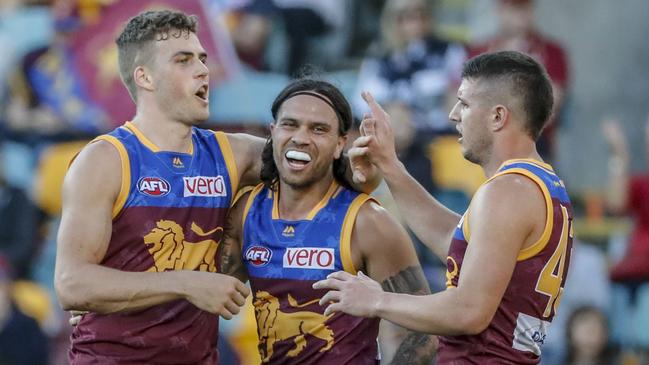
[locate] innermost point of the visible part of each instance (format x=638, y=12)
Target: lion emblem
x=274, y=325
x=166, y=243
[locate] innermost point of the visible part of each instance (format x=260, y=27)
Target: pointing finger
x=376, y=109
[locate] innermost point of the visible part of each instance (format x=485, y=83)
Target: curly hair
x=135, y=41
x=326, y=92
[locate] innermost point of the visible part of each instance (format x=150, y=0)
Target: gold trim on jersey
x=147, y=142
x=321, y=204
x=540, y=244
x=241, y=193
x=230, y=163
x=126, y=172
x=346, y=232
x=545, y=166
x=465, y=225
x=255, y=191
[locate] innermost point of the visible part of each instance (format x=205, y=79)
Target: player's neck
x=296, y=204
x=521, y=148
x=166, y=134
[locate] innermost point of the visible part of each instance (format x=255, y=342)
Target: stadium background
x=607, y=52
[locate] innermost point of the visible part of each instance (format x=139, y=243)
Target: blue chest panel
x=308, y=249
x=171, y=179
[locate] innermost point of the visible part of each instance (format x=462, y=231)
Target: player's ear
x=340, y=146
x=499, y=117
x=143, y=78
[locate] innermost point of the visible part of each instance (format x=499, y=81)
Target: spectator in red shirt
x=518, y=32
x=629, y=194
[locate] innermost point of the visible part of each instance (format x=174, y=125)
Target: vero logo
x=212, y=186
x=153, y=186
x=309, y=258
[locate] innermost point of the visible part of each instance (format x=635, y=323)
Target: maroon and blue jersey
x=169, y=215
x=519, y=327
x=283, y=259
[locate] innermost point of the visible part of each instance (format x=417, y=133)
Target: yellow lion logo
x=275, y=325
x=451, y=275
x=166, y=242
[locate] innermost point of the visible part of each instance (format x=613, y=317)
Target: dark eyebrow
x=189, y=54
x=320, y=124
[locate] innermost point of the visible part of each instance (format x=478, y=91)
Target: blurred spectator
x=412, y=67
x=24, y=25
x=518, y=32
x=305, y=20
x=588, y=342
x=588, y=269
x=628, y=194
x=19, y=227
x=250, y=32
x=21, y=339
x=48, y=96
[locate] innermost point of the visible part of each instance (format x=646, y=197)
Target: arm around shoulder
x=247, y=150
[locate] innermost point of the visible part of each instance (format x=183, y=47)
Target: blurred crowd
x=59, y=88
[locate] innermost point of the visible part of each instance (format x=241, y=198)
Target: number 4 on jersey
x=551, y=278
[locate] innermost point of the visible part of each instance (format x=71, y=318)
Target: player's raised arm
x=89, y=193
x=431, y=221
x=497, y=235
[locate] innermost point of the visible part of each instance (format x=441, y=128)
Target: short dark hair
x=330, y=95
x=526, y=78
x=133, y=42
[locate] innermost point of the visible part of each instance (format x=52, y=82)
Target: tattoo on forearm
x=416, y=348
x=410, y=281
x=230, y=260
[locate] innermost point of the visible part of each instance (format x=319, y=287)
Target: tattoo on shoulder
x=410, y=281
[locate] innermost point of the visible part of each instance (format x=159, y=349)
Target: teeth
x=297, y=155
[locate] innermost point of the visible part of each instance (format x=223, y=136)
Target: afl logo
x=153, y=186
x=258, y=255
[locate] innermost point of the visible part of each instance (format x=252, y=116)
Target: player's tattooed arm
x=230, y=256
x=416, y=347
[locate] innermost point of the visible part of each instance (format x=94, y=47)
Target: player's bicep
x=89, y=192
x=501, y=221
x=387, y=251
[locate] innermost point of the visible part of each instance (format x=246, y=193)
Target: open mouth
x=297, y=159
x=203, y=93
